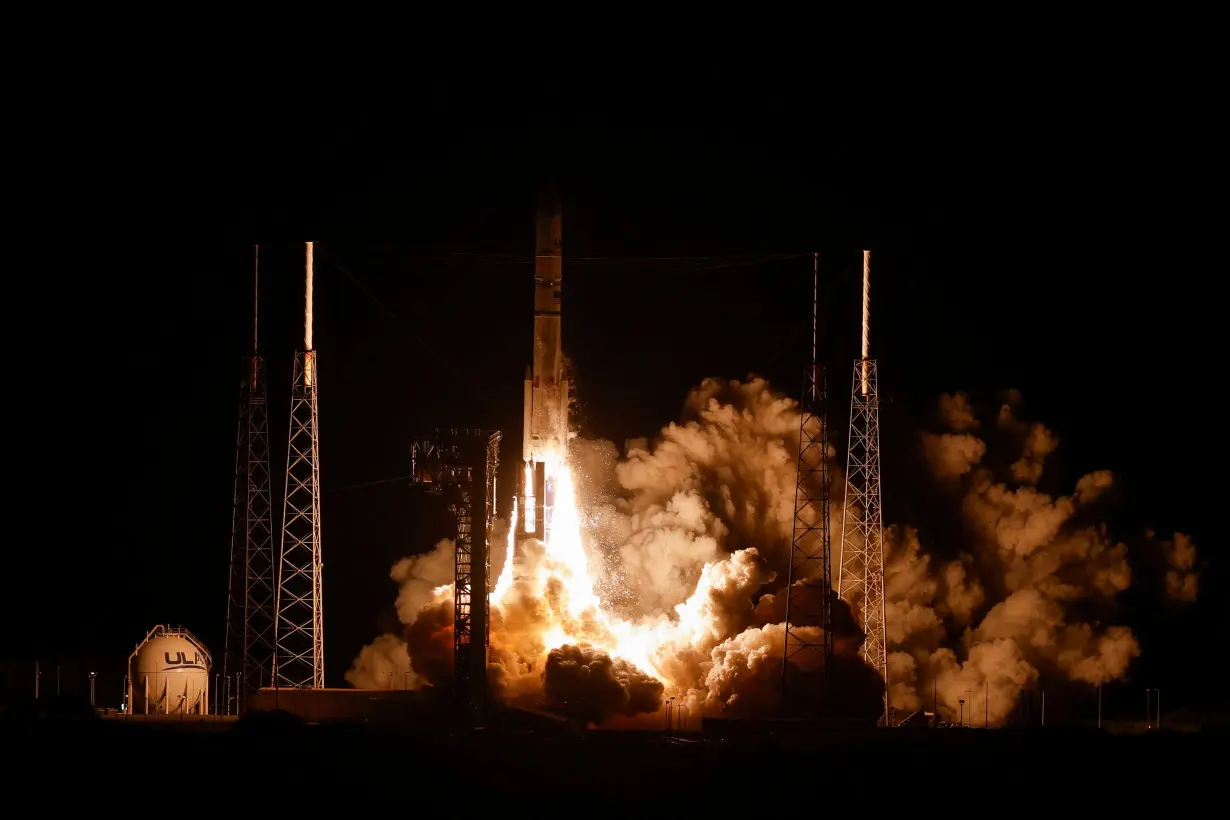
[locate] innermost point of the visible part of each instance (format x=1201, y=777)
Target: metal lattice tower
x=860, y=579
x=461, y=466
x=809, y=601
x=300, y=647
x=250, y=592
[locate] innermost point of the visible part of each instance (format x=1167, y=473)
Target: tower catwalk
x=300, y=647
x=809, y=601
x=250, y=593
x=860, y=579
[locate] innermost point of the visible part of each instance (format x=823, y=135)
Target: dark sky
x=1046, y=237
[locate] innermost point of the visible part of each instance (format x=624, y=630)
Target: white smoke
x=691, y=535
x=424, y=581
x=999, y=617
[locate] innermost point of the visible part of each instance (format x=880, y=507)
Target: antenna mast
x=808, y=650
x=307, y=302
x=256, y=297
x=250, y=592
x=866, y=315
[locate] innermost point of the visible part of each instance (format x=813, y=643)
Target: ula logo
x=180, y=661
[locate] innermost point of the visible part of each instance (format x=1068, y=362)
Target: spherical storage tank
x=168, y=674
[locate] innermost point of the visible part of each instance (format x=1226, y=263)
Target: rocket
x=545, y=422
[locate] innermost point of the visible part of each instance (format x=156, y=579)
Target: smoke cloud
x=1002, y=615
x=588, y=683
x=1182, y=579
x=956, y=412
x=419, y=577
x=721, y=481
x=425, y=606
x=688, y=540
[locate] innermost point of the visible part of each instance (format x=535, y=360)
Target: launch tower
x=861, y=574
x=300, y=644
x=545, y=427
x=809, y=595
x=250, y=592
x=460, y=465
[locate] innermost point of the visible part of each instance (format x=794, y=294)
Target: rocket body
x=545, y=421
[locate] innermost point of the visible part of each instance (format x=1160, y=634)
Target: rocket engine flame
x=667, y=580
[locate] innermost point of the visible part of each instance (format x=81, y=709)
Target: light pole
x=1153, y=709
x=93, y=675
x=986, y=704
x=961, y=718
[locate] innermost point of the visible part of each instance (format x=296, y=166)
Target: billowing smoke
x=425, y=608
x=383, y=664
x=687, y=539
x=589, y=684
x=720, y=481
x=1003, y=613
x=1182, y=579
x=954, y=453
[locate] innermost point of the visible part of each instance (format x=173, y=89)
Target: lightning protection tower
x=300, y=646
x=809, y=594
x=861, y=574
x=460, y=465
x=250, y=592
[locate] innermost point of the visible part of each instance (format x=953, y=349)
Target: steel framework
x=460, y=465
x=248, y=652
x=860, y=579
x=809, y=601
x=299, y=648
x=300, y=636
x=249, y=634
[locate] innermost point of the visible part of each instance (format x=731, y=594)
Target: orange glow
x=580, y=617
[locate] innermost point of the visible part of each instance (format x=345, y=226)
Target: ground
x=545, y=771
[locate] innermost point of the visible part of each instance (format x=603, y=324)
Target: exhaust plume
x=664, y=576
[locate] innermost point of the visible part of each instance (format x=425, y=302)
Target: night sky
x=1044, y=241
